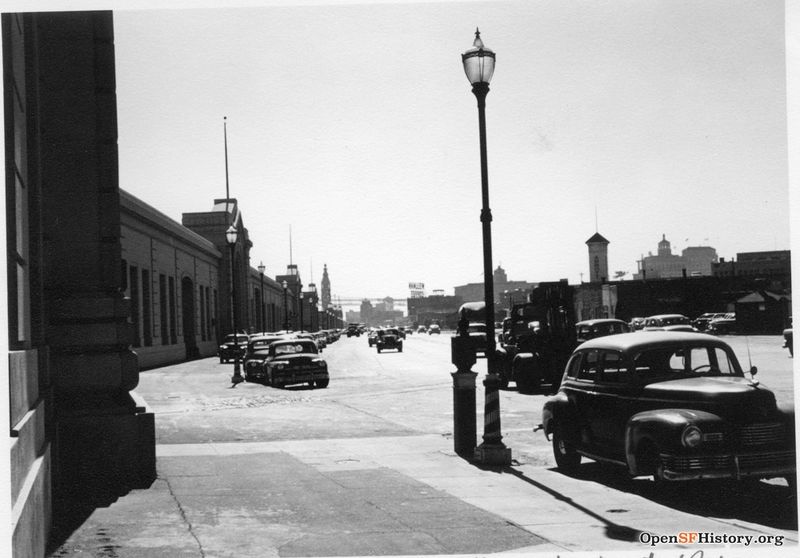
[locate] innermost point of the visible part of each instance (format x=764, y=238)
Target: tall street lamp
x=285, y=286
x=230, y=236
x=478, y=64
x=261, y=268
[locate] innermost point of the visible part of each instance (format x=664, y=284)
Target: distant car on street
x=372, y=336
x=673, y=405
x=723, y=325
x=422, y=329
x=701, y=322
x=667, y=322
x=636, y=323
x=233, y=346
x=434, y=328
x=389, y=338
x=589, y=329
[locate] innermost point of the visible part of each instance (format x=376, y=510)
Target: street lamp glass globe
x=284, y=284
x=478, y=62
x=231, y=234
x=261, y=268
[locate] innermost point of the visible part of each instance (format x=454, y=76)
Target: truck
x=538, y=338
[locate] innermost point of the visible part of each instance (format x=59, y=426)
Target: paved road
x=409, y=393
x=367, y=467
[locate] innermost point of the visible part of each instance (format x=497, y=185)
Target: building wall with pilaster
x=77, y=428
x=172, y=279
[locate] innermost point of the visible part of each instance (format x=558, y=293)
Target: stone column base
x=493, y=454
x=106, y=450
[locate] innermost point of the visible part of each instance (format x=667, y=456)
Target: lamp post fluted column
x=479, y=63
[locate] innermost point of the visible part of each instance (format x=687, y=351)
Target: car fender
x=557, y=410
x=663, y=428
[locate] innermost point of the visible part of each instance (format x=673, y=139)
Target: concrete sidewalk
x=406, y=495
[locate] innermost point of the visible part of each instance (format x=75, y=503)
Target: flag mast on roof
x=227, y=185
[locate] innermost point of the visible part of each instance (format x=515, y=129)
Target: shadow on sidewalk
x=614, y=530
x=68, y=516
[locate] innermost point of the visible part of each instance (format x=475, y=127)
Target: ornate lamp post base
x=492, y=451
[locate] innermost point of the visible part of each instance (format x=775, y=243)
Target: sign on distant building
x=416, y=290
x=438, y=292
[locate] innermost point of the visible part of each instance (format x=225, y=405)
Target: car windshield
x=294, y=348
x=239, y=338
x=389, y=332
x=476, y=328
x=680, y=362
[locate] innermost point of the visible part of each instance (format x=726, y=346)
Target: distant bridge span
x=354, y=301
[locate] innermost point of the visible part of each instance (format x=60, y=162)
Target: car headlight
x=279, y=365
x=692, y=436
x=320, y=363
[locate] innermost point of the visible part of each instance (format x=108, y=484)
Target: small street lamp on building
x=285, y=286
x=231, y=235
x=301, y=309
x=261, y=269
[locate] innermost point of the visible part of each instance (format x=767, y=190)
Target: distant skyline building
x=694, y=261
x=762, y=265
x=504, y=290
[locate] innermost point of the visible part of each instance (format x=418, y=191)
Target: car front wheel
x=567, y=458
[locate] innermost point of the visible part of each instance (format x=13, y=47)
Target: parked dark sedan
x=231, y=348
x=673, y=405
x=257, y=354
x=292, y=361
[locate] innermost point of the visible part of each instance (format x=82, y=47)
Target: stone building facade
x=100, y=284
x=171, y=276
x=77, y=429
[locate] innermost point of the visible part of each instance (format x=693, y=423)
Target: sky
x=354, y=127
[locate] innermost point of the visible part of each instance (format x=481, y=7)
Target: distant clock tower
x=326, y=288
x=598, y=258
